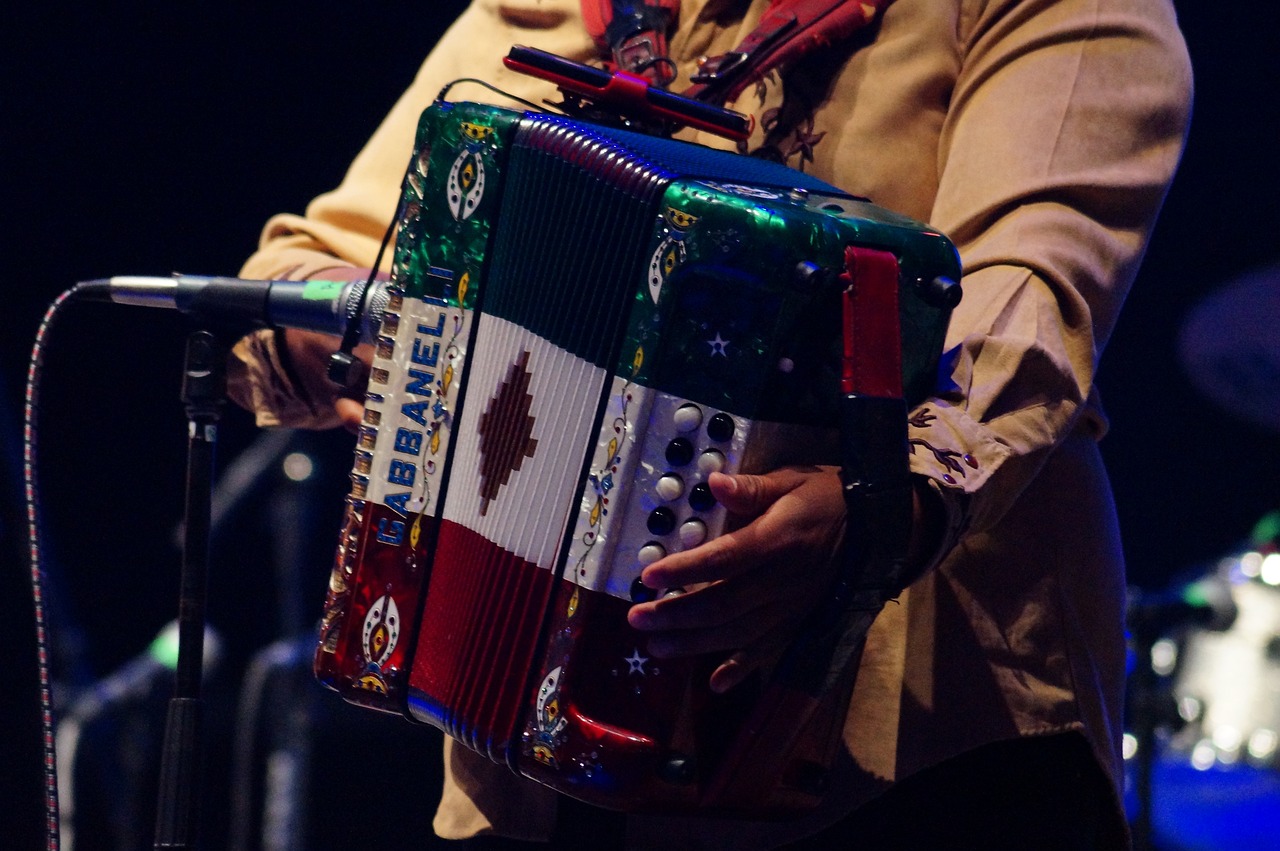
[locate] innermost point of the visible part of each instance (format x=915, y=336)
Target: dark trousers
x=1035, y=794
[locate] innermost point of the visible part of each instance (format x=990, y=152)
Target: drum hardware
x=1204, y=699
x=1230, y=347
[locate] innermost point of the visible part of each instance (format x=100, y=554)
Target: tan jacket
x=1041, y=136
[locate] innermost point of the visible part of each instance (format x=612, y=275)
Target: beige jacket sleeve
x=345, y=226
x=1062, y=133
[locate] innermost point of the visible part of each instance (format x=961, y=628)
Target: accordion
x=584, y=323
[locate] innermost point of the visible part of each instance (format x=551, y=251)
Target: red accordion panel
x=479, y=630
x=373, y=595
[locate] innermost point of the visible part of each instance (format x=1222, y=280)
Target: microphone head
x=137, y=290
x=375, y=306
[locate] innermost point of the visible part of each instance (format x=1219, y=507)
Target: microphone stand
x=204, y=393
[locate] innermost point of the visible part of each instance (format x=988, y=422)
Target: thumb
x=350, y=412
x=749, y=495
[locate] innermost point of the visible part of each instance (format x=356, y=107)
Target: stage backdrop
x=159, y=142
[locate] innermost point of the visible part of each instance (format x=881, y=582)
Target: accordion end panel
x=382, y=565
x=607, y=723
x=390, y=528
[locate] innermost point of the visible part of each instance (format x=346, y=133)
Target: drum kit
x=1203, y=743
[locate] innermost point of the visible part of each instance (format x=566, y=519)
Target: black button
x=641, y=593
x=662, y=521
x=720, y=428
x=679, y=452
x=700, y=497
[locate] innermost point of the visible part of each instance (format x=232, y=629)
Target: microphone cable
x=31, y=404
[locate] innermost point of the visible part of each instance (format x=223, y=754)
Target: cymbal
x=1229, y=345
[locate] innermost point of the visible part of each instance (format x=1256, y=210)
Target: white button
x=693, y=532
x=670, y=487
x=687, y=418
x=711, y=461
x=651, y=552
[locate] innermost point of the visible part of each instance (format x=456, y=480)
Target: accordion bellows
x=585, y=323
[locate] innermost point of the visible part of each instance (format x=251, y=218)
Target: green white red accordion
x=585, y=323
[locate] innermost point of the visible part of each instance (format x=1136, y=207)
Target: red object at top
x=634, y=35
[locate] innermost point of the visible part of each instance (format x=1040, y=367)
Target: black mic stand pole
x=204, y=387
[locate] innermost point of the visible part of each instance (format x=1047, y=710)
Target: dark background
x=161, y=141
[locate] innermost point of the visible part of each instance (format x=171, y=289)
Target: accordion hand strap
x=873, y=429
x=874, y=474
x=789, y=30
x=878, y=498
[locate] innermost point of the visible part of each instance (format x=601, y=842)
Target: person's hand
x=749, y=590
x=308, y=356
x=308, y=359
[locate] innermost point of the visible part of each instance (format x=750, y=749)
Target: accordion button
x=641, y=593
x=700, y=497
x=687, y=418
x=711, y=461
x=679, y=452
x=679, y=770
x=669, y=487
x=692, y=533
x=651, y=552
x=662, y=521
x=720, y=428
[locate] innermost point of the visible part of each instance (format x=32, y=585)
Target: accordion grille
x=577, y=214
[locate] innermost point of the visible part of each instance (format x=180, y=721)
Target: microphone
x=324, y=306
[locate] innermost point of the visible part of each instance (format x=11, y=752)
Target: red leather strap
x=872, y=363
x=788, y=30
x=596, y=15
x=633, y=34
